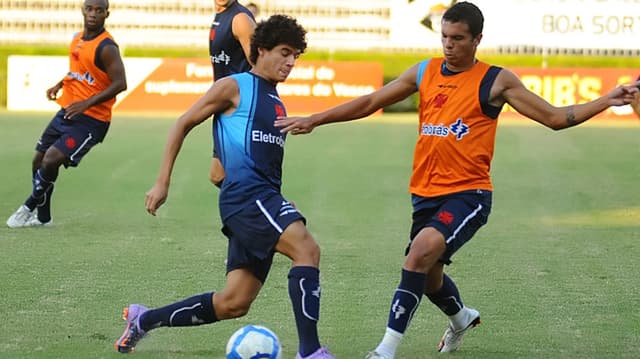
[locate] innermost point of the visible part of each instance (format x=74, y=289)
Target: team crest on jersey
x=458, y=129
x=279, y=110
x=440, y=100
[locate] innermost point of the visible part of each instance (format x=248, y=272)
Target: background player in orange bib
x=460, y=100
x=96, y=75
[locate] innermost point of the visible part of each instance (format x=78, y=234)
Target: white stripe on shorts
x=80, y=147
x=467, y=219
x=266, y=214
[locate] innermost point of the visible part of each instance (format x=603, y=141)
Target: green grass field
x=554, y=272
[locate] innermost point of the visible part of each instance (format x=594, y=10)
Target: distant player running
x=257, y=219
x=96, y=75
x=460, y=100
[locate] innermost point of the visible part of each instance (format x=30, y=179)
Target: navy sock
x=406, y=300
x=196, y=310
x=41, y=184
x=44, y=207
x=447, y=298
x=304, y=292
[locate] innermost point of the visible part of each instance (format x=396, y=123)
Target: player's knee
x=51, y=164
x=310, y=251
x=424, y=254
x=52, y=159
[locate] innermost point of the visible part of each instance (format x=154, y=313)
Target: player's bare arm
x=110, y=57
x=222, y=96
x=508, y=88
x=395, y=91
x=242, y=28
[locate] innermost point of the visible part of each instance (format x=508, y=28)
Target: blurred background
x=394, y=33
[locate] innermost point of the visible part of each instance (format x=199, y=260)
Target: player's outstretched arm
x=509, y=87
x=222, y=96
x=395, y=91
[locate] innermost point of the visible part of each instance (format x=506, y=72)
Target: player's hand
x=74, y=109
x=624, y=95
x=155, y=198
x=294, y=125
x=52, y=93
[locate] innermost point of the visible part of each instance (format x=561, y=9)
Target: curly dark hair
x=277, y=30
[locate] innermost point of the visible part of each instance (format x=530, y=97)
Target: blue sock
x=447, y=298
x=406, y=300
x=304, y=292
x=196, y=310
x=41, y=184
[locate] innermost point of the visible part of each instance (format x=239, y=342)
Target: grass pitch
x=554, y=272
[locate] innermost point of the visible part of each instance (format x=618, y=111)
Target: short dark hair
x=277, y=30
x=467, y=13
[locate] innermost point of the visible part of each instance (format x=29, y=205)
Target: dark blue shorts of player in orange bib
x=73, y=137
x=458, y=216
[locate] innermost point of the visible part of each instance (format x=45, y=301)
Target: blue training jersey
x=250, y=148
x=225, y=51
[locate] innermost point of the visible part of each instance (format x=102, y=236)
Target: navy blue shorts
x=73, y=137
x=254, y=232
x=458, y=216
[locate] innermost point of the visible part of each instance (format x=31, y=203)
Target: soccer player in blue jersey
x=229, y=51
x=257, y=219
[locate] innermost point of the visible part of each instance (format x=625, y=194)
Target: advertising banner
x=569, y=86
x=562, y=24
x=172, y=85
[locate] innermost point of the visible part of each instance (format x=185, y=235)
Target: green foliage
x=554, y=272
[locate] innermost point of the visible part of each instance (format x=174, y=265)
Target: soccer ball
x=254, y=342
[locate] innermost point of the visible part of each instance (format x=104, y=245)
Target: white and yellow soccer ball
x=254, y=342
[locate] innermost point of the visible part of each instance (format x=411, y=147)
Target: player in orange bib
x=460, y=100
x=96, y=75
